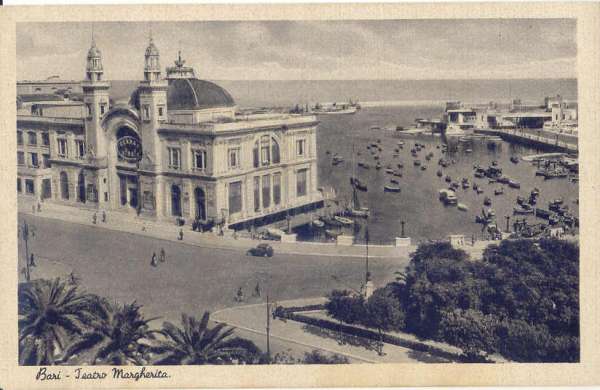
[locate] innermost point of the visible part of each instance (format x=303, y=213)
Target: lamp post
x=25, y=234
x=507, y=223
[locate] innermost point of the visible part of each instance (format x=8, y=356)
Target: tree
x=196, y=343
x=384, y=312
x=317, y=357
x=118, y=336
x=50, y=312
x=346, y=306
x=470, y=330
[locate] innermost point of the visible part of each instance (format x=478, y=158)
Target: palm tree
x=116, y=337
x=50, y=312
x=195, y=343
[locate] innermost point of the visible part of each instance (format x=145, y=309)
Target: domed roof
x=195, y=94
x=151, y=50
x=94, y=52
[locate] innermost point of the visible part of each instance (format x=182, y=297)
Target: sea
x=391, y=103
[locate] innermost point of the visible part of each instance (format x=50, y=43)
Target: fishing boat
x=498, y=191
x=523, y=209
x=514, y=184
x=318, y=223
x=448, y=197
x=391, y=188
x=343, y=220
x=462, y=207
x=487, y=201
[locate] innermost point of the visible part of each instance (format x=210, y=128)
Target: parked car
x=263, y=250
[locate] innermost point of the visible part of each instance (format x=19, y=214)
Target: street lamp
x=507, y=225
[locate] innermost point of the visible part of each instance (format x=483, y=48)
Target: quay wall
x=540, y=142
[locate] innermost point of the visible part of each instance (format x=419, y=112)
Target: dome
x=94, y=52
x=194, y=94
x=151, y=50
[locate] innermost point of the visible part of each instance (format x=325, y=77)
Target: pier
x=543, y=139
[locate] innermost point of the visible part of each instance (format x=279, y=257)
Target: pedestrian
x=153, y=261
x=162, y=255
x=32, y=261
x=240, y=295
x=180, y=237
x=94, y=218
x=257, y=290
x=103, y=216
x=39, y=207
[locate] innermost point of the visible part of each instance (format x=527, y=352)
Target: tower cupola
x=94, y=70
x=152, y=62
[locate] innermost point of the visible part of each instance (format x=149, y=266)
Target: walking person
x=180, y=237
x=257, y=290
x=32, y=261
x=153, y=261
x=103, y=216
x=240, y=295
x=162, y=255
x=39, y=207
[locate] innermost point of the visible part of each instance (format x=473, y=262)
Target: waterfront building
x=178, y=150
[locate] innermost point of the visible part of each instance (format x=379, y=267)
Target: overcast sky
x=394, y=49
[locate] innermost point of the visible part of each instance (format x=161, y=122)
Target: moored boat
x=343, y=220
x=391, y=188
x=462, y=207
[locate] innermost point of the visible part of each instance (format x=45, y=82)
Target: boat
x=354, y=208
x=475, y=187
x=343, y=220
x=492, y=181
x=448, y=197
x=397, y=173
x=376, y=157
x=400, y=165
x=394, y=181
x=423, y=167
x=520, y=199
x=378, y=166
x=391, y=188
x=487, y=201
x=514, y=159
x=468, y=150
x=465, y=184
x=454, y=186
x=523, y=209
x=318, y=223
x=514, y=184
x=542, y=213
x=478, y=175
x=503, y=179
x=389, y=170
x=498, y=191
x=448, y=179
x=495, y=163
x=462, y=207
x=337, y=159
x=334, y=109
x=356, y=183
x=479, y=190
x=417, y=163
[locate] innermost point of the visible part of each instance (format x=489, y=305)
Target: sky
x=309, y=50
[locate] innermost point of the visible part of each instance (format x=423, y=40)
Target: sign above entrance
x=129, y=148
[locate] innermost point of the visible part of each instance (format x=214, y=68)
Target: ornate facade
x=176, y=150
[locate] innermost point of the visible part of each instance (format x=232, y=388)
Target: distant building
x=178, y=150
x=52, y=85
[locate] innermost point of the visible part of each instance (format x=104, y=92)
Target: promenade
x=558, y=141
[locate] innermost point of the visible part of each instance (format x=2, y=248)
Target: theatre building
x=176, y=151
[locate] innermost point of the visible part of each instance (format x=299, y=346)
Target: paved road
x=193, y=279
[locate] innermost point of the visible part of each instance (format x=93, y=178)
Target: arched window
x=64, y=185
x=200, y=203
x=81, y=187
x=175, y=201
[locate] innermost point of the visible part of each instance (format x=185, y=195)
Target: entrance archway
x=200, y=203
x=81, y=187
x=175, y=200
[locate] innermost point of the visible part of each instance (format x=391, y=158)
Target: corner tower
x=153, y=107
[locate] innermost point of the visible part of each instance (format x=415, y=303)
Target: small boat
x=448, y=179
x=423, y=167
x=514, y=184
x=391, y=188
x=480, y=190
x=337, y=159
x=448, y=196
x=492, y=181
x=503, y=179
x=344, y=220
x=394, y=181
x=523, y=209
x=498, y=191
x=468, y=150
x=439, y=173
x=318, y=223
x=417, y=163
x=478, y=175
x=462, y=207
x=401, y=143
x=389, y=170
x=397, y=173
x=514, y=159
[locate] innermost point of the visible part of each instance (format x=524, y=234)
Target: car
x=263, y=250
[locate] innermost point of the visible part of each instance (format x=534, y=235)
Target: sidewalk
x=253, y=318
x=121, y=221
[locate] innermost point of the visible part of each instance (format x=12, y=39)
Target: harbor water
x=418, y=204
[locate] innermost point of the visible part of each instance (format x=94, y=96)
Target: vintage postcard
x=306, y=195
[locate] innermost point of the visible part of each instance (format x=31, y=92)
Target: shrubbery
x=521, y=300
